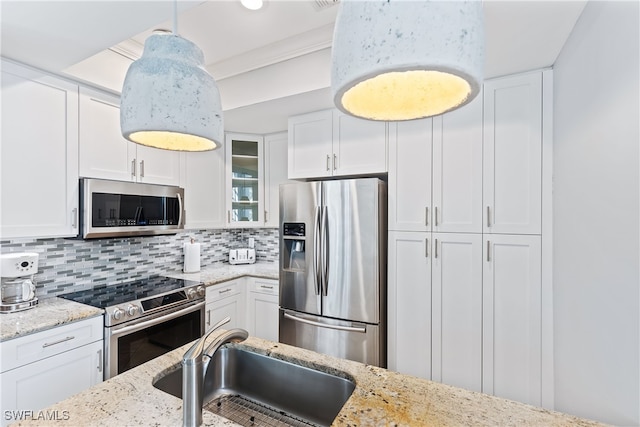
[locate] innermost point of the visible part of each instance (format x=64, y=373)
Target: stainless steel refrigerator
x=333, y=268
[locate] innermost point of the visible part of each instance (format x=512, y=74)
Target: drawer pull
x=266, y=287
x=223, y=291
x=49, y=344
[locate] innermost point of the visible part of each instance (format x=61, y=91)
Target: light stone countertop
x=219, y=274
x=47, y=314
x=381, y=398
x=52, y=312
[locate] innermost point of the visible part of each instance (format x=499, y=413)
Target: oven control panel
x=148, y=306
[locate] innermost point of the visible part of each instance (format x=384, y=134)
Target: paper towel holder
x=191, y=256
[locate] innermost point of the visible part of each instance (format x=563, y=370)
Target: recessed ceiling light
x=252, y=4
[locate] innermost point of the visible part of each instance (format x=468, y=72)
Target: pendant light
x=406, y=59
x=168, y=99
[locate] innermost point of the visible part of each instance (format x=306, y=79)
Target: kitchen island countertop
x=381, y=398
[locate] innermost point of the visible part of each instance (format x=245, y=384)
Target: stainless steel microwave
x=118, y=208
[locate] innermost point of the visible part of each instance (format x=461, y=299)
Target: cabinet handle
x=435, y=214
x=426, y=248
x=49, y=344
x=224, y=291
x=229, y=216
x=142, y=168
x=208, y=317
x=74, y=222
x=335, y=162
x=328, y=162
x=265, y=216
x=426, y=216
x=266, y=287
x=435, y=249
x=488, y=216
x=133, y=168
x=488, y=251
x=100, y=360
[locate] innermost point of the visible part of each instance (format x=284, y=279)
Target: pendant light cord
x=175, y=17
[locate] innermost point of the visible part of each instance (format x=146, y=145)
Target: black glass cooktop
x=104, y=296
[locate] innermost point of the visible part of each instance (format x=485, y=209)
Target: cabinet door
x=232, y=307
x=245, y=180
x=275, y=173
x=104, y=152
x=262, y=309
x=39, y=154
x=513, y=154
x=43, y=383
x=409, y=303
x=457, y=169
x=156, y=166
x=310, y=147
x=359, y=146
x=512, y=317
x=410, y=175
x=457, y=309
x=203, y=179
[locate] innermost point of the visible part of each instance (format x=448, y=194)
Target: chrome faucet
x=193, y=371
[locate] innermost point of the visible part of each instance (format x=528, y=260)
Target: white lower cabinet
x=46, y=367
x=262, y=308
x=409, y=303
x=456, y=280
x=512, y=317
x=226, y=299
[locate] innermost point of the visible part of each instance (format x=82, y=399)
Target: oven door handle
x=157, y=320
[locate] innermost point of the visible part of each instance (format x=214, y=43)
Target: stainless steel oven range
x=145, y=318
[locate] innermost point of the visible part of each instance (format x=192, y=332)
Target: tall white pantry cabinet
x=469, y=281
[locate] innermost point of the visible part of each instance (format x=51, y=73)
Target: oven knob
x=132, y=310
x=191, y=293
x=201, y=291
x=118, y=313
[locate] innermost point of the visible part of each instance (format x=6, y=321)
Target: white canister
x=191, y=257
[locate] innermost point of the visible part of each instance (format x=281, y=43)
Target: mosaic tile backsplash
x=67, y=265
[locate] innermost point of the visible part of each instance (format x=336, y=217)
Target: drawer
x=269, y=287
x=30, y=348
x=223, y=290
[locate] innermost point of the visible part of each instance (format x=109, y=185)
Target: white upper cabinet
x=275, y=173
x=513, y=154
x=512, y=317
x=330, y=143
x=106, y=154
x=359, y=146
x=310, y=145
x=409, y=185
x=39, y=154
x=203, y=180
x=457, y=170
x=245, y=179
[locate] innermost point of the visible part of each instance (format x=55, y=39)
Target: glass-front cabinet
x=245, y=177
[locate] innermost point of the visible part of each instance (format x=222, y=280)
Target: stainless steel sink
x=244, y=386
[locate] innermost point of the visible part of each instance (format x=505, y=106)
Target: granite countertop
x=381, y=398
x=49, y=313
x=218, y=274
x=52, y=312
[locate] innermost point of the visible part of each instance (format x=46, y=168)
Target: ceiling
x=269, y=64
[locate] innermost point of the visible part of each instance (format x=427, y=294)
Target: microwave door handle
x=180, y=208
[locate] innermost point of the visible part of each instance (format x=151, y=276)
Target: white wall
x=596, y=216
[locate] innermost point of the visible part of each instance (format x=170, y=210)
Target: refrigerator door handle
x=324, y=325
x=325, y=251
x=316, y=255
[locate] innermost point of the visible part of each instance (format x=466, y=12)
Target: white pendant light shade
x=406, y=59
x=169, y=100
